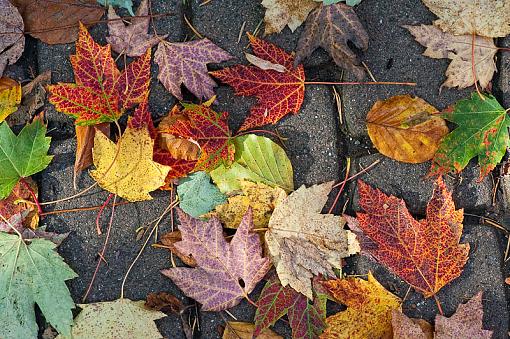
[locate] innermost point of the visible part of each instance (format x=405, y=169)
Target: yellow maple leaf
x=368, y=313
x=10, y=97
x=132, y=174
x=260, y=197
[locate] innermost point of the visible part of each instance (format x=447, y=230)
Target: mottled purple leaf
x=226, y=272
x=186, y=63
x=131, y=39
x=307, y=320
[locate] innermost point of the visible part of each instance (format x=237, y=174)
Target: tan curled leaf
x=303, y=242
x=490, y=18
x=242, y=330
x=405, y=129
x=264, y=64
x=261, y=198
x=459, y=48
x=280, y=13
x=131, y=174
x=169, y=239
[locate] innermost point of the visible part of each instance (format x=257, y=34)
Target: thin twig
x=360, y=83
x=81, y=209
x=98, y=228
x=348, y=167
x=197, y=33
x=359, y=173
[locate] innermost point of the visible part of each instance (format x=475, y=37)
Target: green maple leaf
x=32, y=272
x=482, y=131
x=197, y=195
x=22, y=155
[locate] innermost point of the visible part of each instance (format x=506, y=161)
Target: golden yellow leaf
x=368, y=313
x=403, y=128
x=10, y=97
x=261, y=198
x=242, y=330
x=132, y=174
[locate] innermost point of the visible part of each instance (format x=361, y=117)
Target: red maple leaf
x=278, y=93
x=426, y=253
x=101, y=93
x=205, y=127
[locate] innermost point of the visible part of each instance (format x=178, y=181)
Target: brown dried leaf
x=164, y=302
x=178, y=148
x=242, y=330
x=331, y=27
x=56, y=22
x=12, y=40
x=407, y=328
x=286, y=12
x=458, y=48
x=169, y=239
x=84, y=143
x=264, y=64
x=20, y=201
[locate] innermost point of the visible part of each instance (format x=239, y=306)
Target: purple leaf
x=186, y=63
x=226, y=272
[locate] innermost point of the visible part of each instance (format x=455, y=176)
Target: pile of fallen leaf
x=241, y=220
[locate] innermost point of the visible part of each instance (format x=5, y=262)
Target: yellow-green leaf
x=10, y=97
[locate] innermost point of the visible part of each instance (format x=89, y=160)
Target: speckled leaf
x=132, y=39
x=306, y=319
x=185, y=63
x=169, y=239
x=122, y=318
x=22, y=155
x=257, y=159
x=205, y=127
x=407, y=247
x=32, y=273
x=278, y=93
x=242, y=330
x=12, y=40
x=459, y=48
x=490, y=18
x=303, y=242
x=10, y=97
x=129, y=172
x=226, y=272
x=406, y=328
x=197, y=195
x=332, y=27
x=482, y=131
x=368, y=313
x=127, y=4
x=281, y=13
x=21, y=201
x=405, y=128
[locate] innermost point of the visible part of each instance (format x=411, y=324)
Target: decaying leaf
x=226, y=272
x=242, y=330
x=127, y=4
x=56, y=22
x=407, y=247
x=278, y=93
x=32, y=98
x=206, y=128
x=84, y=143
x=368, y=313
x=405, y=128
x=307, y=320
x=121, y=318
x=185, y=63
x=465, y=323
x=261, y=198
x=32, y=273
x=164, y=302
x=490, y=18
x=21, y=201
x=281, y=13
x=197, y=195
x=257, y=159
x=128, y=172
x=482, y=131
x=22, y=155
x=133, y=39
x=101, y=92
x=303, y=242
x=12, y=40
x=332, y=27
x=169, y=239
x=10, y=97
x=459, y=48
x=264, y=64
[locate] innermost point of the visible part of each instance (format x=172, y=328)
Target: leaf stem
x=341, y=187
x=438, y=305
x=98, y=228
x=81, y=209
x=251, y=301
x=359, y=173
x=11, y=226
x=360, y=83
x=32, y=193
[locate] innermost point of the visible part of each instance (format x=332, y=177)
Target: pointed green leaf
x=127, y=4
x=197, y=195
x=257, y=159
x=482, y=131
x=22, y=155
x=32, y=273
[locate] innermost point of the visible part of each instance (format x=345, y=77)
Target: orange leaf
x=426, y=253
x=278, y=93
x=84, y=143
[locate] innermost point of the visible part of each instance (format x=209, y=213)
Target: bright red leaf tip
x=278, y=93
x=426, y=253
